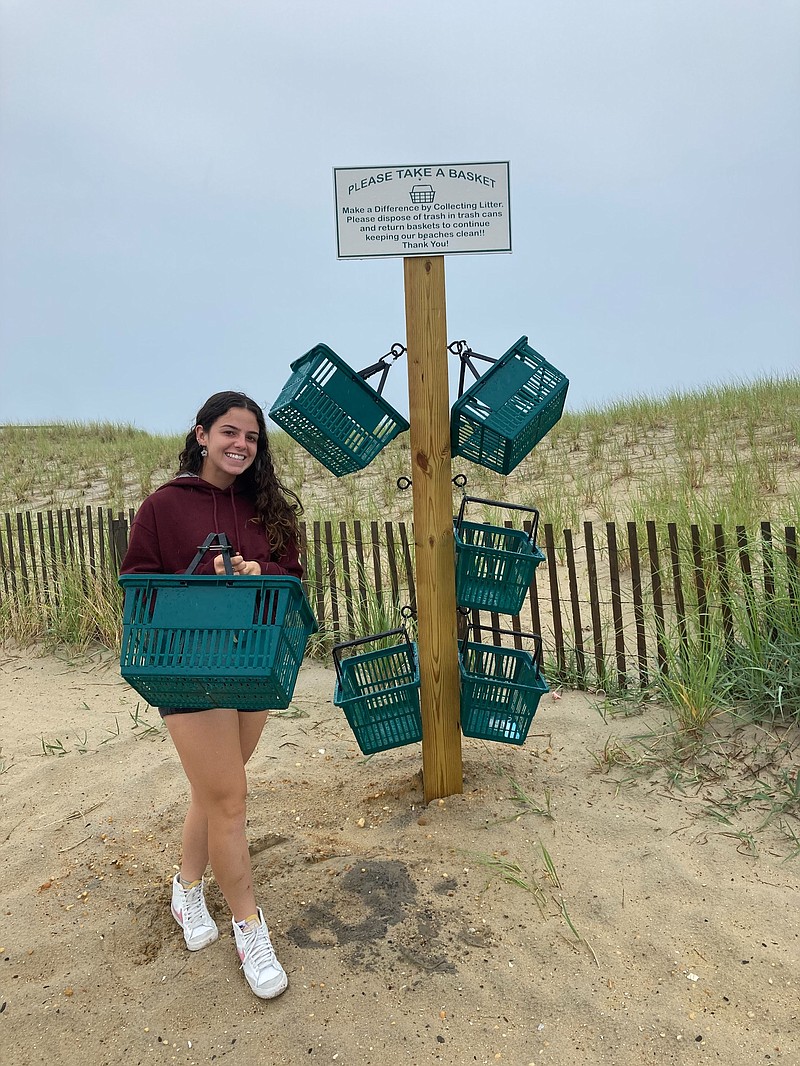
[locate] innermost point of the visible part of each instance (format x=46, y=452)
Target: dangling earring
x=204, y=452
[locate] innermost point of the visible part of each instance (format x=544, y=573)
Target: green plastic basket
x=334, y=413
x=211, y=641
x=507, y=411
x=379, y=692
x=500, y=689
x=494, y=565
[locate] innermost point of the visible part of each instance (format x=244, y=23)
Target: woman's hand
x=240, y=565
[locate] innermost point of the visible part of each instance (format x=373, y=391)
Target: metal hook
x=460, y=481
x=396, y=351
x=404, y=483
x=457, y=347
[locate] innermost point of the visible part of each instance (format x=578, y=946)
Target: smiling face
x=232, y=442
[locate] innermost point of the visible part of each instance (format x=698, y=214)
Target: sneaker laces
x=259, y=948
x=195, y=910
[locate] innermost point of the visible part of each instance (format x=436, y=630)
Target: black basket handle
x=500, y=503
x=399, y=632
x=382, y=367
x=223, y=545
x=466, y=355
x=535, y=637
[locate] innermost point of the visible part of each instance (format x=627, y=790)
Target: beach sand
x=566, y=909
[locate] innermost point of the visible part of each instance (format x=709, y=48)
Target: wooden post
x=429, y=417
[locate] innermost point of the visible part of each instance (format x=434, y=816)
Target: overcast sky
x=167, y=212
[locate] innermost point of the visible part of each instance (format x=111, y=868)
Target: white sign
x=436, y=209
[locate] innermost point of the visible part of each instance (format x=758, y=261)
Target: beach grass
x=727, y=454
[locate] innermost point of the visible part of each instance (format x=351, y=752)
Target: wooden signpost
x=423, y=213
x=429, y=417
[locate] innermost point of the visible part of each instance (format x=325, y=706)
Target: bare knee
x=227, y=807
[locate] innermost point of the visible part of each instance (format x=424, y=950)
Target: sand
x=567, y=908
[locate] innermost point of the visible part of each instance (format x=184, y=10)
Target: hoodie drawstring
x=235, y=518
x=215, y=523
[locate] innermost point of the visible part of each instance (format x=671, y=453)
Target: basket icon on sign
x=422, y=194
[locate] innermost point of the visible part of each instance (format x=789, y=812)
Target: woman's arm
x=143, y=555
x=287, y=563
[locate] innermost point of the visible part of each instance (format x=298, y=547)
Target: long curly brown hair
x=277, y=507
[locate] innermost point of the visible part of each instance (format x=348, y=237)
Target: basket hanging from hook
x=494, y=564
x=504, y=414
x=378, y=690
x=334, y=413
x=500, y=687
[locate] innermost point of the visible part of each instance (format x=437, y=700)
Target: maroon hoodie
x=175, y=520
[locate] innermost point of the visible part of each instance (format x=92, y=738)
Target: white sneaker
x=264, y=973
x=190, y=912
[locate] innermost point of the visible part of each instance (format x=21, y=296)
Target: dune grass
x=727, y=454
x=79, y=610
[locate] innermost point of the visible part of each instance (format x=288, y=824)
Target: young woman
x=226, y=483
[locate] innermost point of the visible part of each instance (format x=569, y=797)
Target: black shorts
x=164, y=711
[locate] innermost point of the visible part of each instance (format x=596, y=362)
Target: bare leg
x=213, y=747
x=194, y=854
x=194, y=850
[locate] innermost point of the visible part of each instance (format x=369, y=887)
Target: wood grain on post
x=429, y=416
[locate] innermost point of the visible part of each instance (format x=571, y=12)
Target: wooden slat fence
x=612, y=603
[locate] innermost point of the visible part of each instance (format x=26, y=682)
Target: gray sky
x=166, y=191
